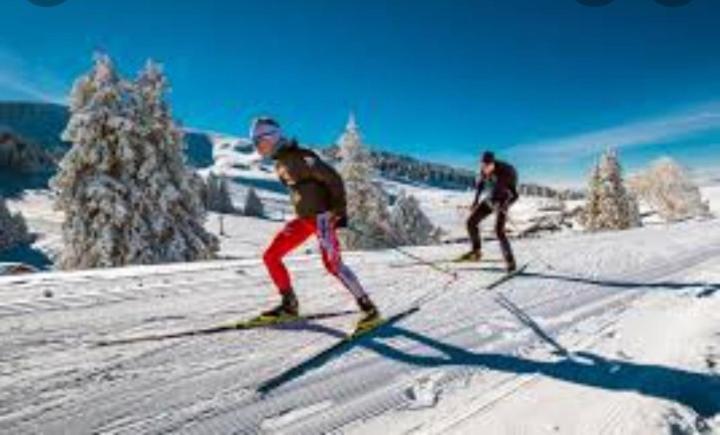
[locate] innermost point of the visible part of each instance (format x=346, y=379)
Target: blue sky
x=545, y=83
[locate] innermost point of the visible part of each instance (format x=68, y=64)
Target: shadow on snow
x=698, y=391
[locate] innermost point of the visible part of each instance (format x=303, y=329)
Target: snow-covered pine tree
x=126, y=193
x=169, y=192
x=367, y=203
x=668, y=189
x=609, y=205
x=253, y=204
x=217, y=194
x=86, y=186
x=410, y=224
x=13, y=229
x=591, y=213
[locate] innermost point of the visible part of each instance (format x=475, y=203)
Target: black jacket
x=315, y=186
x=503, y=180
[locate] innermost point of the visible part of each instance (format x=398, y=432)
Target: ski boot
x=371, y=316
x=288, y=309
x=510, y=266
x=472, y=256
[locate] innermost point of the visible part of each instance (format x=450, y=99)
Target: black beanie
x=488, y=157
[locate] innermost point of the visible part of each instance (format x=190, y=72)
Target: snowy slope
x=448, y=209
x=642, y=305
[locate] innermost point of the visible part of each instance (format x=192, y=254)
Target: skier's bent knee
x=270, y=258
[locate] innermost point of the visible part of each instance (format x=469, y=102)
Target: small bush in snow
x=667, y=188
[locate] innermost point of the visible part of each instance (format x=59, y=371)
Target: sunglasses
x=257, y=139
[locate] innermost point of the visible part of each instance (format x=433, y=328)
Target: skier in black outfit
x=499, y=179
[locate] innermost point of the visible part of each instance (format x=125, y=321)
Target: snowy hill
x=40, y=125
x=408, y=170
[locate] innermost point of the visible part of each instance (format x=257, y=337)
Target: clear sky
x=545, y=83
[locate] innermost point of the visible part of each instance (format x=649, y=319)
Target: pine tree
x=217, y=195
x=609, y=205
x=410, y=224
x=367, y=203
x=178, y=230
x=13, y=229
x=669, y=190
x=126, y=193
x=591, y=213
x=253, y=204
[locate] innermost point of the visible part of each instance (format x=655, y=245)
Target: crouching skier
x=318, y=196
x=499, y=179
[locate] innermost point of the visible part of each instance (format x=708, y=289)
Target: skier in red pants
x=318, y=196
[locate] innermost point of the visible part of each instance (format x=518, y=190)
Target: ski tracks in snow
x=52, y=380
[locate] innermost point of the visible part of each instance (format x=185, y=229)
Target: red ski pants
x=295, y=233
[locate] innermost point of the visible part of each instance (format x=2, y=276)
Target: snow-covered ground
x=605, y=333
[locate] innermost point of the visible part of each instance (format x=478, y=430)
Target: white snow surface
x=604, y=333
x=711, y=193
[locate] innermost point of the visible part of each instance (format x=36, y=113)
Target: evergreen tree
x=367, y=203
x=217, y=195
x=253, y=204
x=410, y=224
x=13, y=229
x=609, y=205
x=126, y=193
x=591, y=212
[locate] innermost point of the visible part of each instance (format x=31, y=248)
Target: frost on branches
x=609, y=205
x=13, y=230
x=126, y=193
x=667, y=188
x=410, y=224
x=367, y=203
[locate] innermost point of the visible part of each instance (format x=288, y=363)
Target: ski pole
x=534, y=253
x=420, y=260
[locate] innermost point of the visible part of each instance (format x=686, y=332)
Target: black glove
x=341, y=221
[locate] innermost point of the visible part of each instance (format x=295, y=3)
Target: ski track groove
x=123, y=293
x=658, y=273
x=369, y=386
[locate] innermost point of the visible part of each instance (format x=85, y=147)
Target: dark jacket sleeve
x=331, y=179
